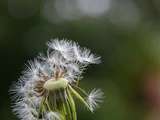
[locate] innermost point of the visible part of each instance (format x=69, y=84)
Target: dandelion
x=50, y=83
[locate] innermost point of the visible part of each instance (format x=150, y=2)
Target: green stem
x=78, y=96
x=68, y=110
x=72, y=105
x=81, y=90
x=47, y=103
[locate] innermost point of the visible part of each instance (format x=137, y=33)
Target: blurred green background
x=126, y=33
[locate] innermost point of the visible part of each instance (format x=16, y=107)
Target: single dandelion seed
x=49, y=85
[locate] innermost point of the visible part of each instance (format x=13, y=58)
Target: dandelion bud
x=52, y=85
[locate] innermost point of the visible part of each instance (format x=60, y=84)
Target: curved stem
x=81, y=90
x=76, y=94
x=72, y=105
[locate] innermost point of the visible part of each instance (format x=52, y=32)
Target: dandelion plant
x=49, y=86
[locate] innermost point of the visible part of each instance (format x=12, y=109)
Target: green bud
x=52, y=84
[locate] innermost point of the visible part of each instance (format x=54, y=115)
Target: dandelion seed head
x=62, y=66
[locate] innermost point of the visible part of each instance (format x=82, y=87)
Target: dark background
x=126, y=33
